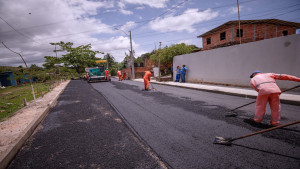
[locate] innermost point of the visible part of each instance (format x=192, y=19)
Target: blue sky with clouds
x=28, y=26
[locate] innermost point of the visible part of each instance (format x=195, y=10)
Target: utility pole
x=131, y=54
x=106, y=56
x=159, y=61
x=33, y=94
x=239, y=22
x=131, y=57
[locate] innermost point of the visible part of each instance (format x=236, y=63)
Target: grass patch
x=11, y=98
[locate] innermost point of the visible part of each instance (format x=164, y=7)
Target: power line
x=144, y=21
x=194, y=37
x=17, y=30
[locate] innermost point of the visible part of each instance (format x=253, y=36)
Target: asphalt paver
x=84, y=131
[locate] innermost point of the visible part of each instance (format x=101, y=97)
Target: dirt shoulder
x=14, y=130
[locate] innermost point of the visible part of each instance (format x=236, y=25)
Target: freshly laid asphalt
x=105, y=141
x=84, y=131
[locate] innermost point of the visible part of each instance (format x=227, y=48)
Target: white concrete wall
x=233, y=65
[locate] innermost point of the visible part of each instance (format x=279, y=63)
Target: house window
x=238, y=33
x=284, y=33
x=208, y=41
x=222, y=35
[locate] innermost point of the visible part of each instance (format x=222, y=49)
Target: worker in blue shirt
x=183, y=72
x=177, y=74
x=171, y=71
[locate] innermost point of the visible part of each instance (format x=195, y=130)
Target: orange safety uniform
x=87, y=76
x=147, y=77
x=124, y=75
x=268, y=91
x=120, y=75
x=106, y=74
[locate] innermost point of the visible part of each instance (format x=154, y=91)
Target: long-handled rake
x=154, y=89
x=233, y=114
x=228, y=141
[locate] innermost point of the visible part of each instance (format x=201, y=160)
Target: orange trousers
x=260, y=108
x=146, y=82
x=106, y=77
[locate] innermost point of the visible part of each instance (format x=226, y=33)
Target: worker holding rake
x=268, y=91
x=119, y=75
x=147, y=77
x=106, y=74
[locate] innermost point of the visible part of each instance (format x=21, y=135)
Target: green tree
x=51, y=61
x=79, y=57
x=168, y=53
x=34, y=67
x=110, y=60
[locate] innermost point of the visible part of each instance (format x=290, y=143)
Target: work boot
x=274, y=124
x=251, y=122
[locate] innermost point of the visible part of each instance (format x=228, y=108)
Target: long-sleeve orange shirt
x=264, y=83
x=147, y=75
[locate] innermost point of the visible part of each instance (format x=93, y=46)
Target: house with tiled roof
x=229, y=34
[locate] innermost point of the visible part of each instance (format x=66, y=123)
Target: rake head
x=223, y=141
x=231, y=114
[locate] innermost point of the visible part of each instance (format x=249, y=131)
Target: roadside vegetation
x=12, y=97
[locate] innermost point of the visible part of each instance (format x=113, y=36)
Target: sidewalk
x=242, y=92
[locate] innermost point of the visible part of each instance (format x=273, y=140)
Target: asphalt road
x=180, y=125
x=84, y=131
x=118, y=125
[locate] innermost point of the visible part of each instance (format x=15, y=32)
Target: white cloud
x=128, y=26
x=182, y=22
x=126, y=12
x=151, y=3
x=234, y=10
x=122, y=9
x=49, y=21
x=117, y=46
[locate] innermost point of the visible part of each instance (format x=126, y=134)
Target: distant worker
x=106, y=74
x=183, y=72
x=171, y=71
x=87, y=76
x=177, y=74
x=120, y=75
x=124, y=75
x=268, y=91
x=147, y=77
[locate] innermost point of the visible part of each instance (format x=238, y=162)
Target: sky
x=29, y=26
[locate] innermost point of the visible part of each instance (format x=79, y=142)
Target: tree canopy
x=77, y=57
x=167, y=54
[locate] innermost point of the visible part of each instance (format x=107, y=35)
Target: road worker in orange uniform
x=124, y=75
x=147, y=77
x=268, y=91
x=87, y=76
x=106, y=74
x=120, y=75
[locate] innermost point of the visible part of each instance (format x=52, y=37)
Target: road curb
x=282, y=100
x=13, y=149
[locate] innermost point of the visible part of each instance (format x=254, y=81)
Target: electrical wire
x=18, y=31
x=174, y=31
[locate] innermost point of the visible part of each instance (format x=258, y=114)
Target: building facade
x=250, y=30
